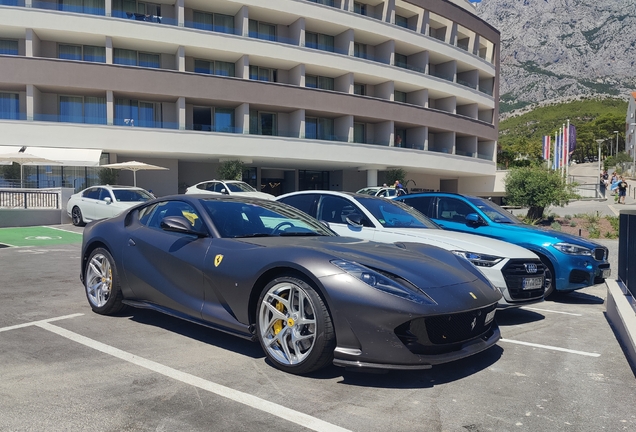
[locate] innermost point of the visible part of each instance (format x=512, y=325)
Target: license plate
x=532, y=283
x=490, y=316
x=606, y=273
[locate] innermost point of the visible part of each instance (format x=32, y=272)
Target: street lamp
x=616, y=154
x=633, y=152
x=599, y=142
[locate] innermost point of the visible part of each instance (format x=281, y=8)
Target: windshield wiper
x=253, y=235
x=299, y=234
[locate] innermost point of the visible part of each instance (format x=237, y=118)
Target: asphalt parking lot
x=64, y=368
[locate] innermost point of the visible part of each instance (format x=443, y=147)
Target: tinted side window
x=421, y=204
x=452, y=209
x=92, y=193
x=305, y=203
x=104, y=193
x=336, y=209
x=174, y=208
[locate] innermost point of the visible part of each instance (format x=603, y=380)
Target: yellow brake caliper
x=278, y=325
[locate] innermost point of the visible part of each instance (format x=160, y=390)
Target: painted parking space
x=37, y=236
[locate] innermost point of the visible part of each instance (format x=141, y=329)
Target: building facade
x=308, y=94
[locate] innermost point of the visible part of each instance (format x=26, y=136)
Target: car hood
x=547, y=235
x=451, y=240
x=427, y=267
x=261, y=195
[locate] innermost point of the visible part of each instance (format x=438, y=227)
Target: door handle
x=131, y=242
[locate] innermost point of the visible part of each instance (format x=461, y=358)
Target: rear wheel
x=101, y=282
x=76, y=216
x=294, y=327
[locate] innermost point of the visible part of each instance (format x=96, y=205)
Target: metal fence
x=627, y=249
x=40, y=199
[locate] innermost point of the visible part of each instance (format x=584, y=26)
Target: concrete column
x=28, y=3
x=242, y=67
x=297, y=75
x=385, y=90
x=451, y=37
x=108, y=7
x=388, y=13
x=180, y=59
x=372, y=177
x=181, y=112
x=343, y=128
x=109, y=50
x=344, y=42
x=179, y=12
x=241, y=22
x=110, y=108
x=32, y=44
x=425, y=24
x=344, y=83
x=473, y=44
x=297, y=32
x=242, y=118
x=297, y=123
x=30, y=103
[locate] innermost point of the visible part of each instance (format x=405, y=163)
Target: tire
x=549, y=277
x=76, y=216
x=295, y=339
x=101, y=283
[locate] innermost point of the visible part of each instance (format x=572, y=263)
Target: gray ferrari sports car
x=264, y=271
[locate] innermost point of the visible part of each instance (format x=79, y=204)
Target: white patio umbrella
x=25, y=158
x=133, y=166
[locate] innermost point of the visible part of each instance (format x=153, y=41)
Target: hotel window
x=360, y=8
x=359, y=89
x=401, y=61
x=401, y=21
x=127, y=8
x=263, y=123
x=262, y=74
x=324, y=2
x=399, y=96
x=262, y=30
x=87, y=53
x=359, y=133
x=220, y=68
x=93, y=7
x=133, y=58
x=319, y=41
x=9, y=106
x=320, y=82
x=8, y=46
x=213, y=119
x=360, y=50
x=78, y=109
x=213, y=22
x=319, y=128
x=131, y=112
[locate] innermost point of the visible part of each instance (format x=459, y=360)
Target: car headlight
x=572, y=249
x=479, y=260
x=382, y=283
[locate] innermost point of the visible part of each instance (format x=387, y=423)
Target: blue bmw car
x=573, y=262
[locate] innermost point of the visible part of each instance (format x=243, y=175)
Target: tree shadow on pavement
x=576, y=297
x=516, y=316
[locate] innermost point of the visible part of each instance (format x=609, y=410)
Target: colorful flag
x=546, y=147
x=572, y=139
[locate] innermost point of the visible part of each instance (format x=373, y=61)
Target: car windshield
x=240, y=187
x=239, y=219
x=395, y=214
x=368, y=191
x=493, y=211
x=131, y=195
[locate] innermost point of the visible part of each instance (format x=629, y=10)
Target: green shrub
x=611, y=235
x=567, y=217
x=594, y=232
x=573, y=224
x=555, y=226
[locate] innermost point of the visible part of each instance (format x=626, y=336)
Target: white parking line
x=32, y=323
x=551, y=311
x=60, y=229
x=285, y=413
x=553, y=348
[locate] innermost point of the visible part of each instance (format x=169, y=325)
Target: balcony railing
x=37, y=4
x=29, y=199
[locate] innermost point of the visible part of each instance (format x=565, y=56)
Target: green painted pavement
x=37, y=236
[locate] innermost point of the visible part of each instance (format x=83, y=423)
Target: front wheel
x=550, y=277
x=294, y=327
x=101, y=282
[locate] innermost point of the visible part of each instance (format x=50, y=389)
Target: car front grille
x=514, y=272
x=445, y=333
x=601, y=254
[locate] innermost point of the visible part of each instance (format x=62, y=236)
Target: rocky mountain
x=560, y=50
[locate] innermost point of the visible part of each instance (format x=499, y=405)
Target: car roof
x=437, y=194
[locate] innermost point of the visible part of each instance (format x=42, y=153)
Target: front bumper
x=579, y=271
x=508, y=277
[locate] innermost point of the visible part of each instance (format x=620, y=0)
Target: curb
x=620, y=312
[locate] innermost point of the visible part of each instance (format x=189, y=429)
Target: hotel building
x=322, y=94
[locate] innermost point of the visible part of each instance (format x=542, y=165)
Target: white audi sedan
x=517, y=272
x=227, y=187
x=104, y=201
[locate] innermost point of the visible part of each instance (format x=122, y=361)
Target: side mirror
x=179, y=224
x=108, y=200
x=474, y=219
x=224, y=191
x=355, y=220
x=325, y=223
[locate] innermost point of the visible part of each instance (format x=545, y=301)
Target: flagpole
x=567, y=153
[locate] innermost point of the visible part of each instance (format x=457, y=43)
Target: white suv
x=515, y=271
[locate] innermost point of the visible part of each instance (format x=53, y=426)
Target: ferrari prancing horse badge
x=217, y=260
